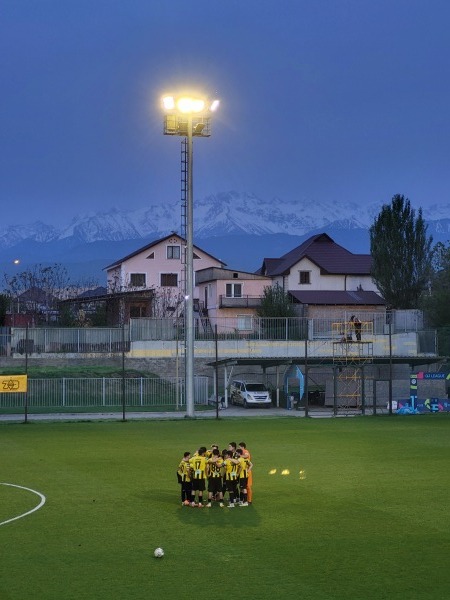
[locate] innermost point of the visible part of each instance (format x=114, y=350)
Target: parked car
x=246, y=394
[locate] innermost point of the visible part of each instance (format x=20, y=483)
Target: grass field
x=368, y=520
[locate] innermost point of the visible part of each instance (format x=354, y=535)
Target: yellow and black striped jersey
x=198, y=467
x=244, y=467
x=184, y=470
x=231, y=469
x=215, y=468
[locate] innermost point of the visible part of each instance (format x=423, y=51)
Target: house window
x=137, y=311
x=169, y=280
x=245, y=322
x=173, y=252
x=234, y=290
x=305, y=277
x=137, y=280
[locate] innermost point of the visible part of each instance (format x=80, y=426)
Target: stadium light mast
x=188, y=116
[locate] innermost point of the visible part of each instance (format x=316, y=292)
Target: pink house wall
x=154, y=261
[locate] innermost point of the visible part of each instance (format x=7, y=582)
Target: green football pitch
x=352, y=509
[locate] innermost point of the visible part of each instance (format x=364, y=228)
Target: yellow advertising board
x=13, y=383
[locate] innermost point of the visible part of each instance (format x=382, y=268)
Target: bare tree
x=167, y=302
x=40, y=287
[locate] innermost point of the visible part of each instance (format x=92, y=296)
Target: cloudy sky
x=345, y=100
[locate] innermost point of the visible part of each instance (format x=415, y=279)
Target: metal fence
x=272, y=328
x=104, y=392
x=64, y=340
x=114, y=340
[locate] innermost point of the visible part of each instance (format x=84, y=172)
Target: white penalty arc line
x=41, y=503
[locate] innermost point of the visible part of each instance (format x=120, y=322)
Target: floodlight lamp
x=214, y=105
x=198, y=128
x=190, y=105
x=168, y=102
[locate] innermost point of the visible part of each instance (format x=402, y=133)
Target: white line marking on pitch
x=41, y=503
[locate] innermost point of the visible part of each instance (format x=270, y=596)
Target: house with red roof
x=323, y=277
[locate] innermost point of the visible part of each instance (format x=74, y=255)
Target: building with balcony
x=230, y=293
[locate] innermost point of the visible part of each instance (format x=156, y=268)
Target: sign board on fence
x=429, y=375
x=13, y=383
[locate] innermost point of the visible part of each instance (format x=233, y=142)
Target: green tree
x=401, y=253
x=275, y=310
x=66, y=317
x=4, y=304
x=99, y=317
x=435, y=304
x=437, y=301
x=275, y=302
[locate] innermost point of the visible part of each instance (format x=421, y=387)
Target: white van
x=248, y=394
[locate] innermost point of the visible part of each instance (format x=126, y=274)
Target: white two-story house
x=322, y=276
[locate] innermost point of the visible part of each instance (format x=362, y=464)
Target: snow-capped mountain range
x=216, y=218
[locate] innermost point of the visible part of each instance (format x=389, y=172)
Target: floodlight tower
x=189, y=117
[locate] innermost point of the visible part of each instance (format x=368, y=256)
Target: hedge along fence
x=77, y=394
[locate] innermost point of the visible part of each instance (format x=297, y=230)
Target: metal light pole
x=188, y=117
x=189, y=304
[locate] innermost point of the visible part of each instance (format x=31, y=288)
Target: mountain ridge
x=237, y=227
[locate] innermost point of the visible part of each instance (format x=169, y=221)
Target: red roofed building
x=320, y=274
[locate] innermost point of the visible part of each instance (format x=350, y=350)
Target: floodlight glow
x=214, y=105
x=168, y=102
x=190, y=105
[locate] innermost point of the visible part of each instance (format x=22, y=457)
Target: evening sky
x=345, y=100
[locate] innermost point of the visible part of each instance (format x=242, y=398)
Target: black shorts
x=232, y=485
x=198, y=485
x=214, y=485
x=243, y=483
x=186, y=486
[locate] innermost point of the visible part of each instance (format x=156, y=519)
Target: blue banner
x=429, y=405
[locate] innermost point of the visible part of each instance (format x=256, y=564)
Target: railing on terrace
x=262, y=328
x=67, y=340
x=242, y=327
x=105, y=392
x=240, y=302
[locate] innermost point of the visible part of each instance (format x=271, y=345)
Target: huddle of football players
x=207, y=476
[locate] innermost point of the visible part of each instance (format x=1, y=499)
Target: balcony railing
x=240, y=301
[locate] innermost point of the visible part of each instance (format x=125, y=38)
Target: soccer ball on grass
x=159, y=553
